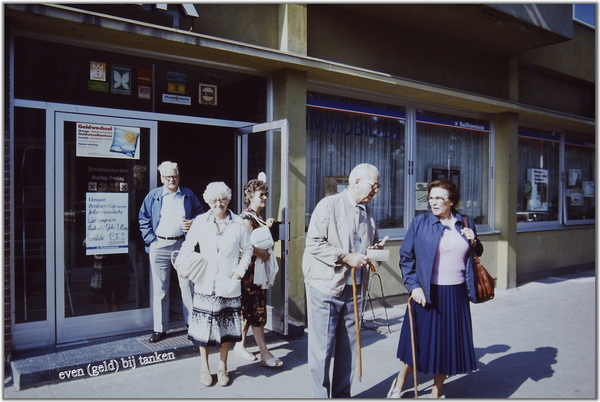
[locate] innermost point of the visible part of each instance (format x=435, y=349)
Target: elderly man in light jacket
x=341, y=229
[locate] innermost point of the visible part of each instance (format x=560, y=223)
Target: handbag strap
x=475, y=256
x=467, y=226
x=258, y=219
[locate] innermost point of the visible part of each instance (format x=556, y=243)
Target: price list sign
x=107, y=229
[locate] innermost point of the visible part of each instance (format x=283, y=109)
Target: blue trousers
x=331, y=335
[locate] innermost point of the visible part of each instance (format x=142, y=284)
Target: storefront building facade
x=98, y=95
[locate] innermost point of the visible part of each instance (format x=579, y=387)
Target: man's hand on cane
x=355, y=260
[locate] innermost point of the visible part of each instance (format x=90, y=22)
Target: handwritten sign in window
x=107, y=226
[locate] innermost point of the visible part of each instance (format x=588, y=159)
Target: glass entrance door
x=102, y=283
x=275, y=137
x=103, y=167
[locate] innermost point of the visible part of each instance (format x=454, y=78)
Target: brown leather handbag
x=484, y=282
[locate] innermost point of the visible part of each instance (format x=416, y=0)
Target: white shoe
x=242, y=353
x=394, y=393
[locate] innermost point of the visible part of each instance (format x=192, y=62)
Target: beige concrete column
x=289, y=102
x=292, y=28
x=506, y=173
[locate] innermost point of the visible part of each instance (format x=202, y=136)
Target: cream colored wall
x=289, y=101
x=505, y=202
x=239, y=22
x=578, y=55
x=550, y=249
x=342, y=36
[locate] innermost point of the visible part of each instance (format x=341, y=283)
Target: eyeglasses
x=214, y=201
x=171, y=178
x=437, y=200
x=374, y=186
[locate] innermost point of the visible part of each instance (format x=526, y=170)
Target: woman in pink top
x=436, y=259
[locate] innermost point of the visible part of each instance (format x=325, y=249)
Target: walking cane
x=357, y=319
x=412, y=342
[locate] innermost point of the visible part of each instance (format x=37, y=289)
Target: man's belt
x=171, y=238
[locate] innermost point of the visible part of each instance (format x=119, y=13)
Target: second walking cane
x=412, y=342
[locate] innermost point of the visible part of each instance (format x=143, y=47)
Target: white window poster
x=421, y=194
x=589, y=189
x=537, y=189
x=105, y=141
x=107, y=226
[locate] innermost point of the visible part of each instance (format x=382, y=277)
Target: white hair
x=167, y=165
x=361, y=172
x=216, y=189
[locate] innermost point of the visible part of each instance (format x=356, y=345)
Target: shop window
x=455, y=148
x=580, y=167
x=342, y=133
x=538, y=186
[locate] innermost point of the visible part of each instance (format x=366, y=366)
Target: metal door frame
x=277, y=316
x=47, y=332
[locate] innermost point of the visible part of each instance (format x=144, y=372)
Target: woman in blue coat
x=436, y=259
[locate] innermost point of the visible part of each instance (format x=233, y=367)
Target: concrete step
x=98, y=357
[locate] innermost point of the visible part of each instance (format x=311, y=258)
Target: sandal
x=239, y=351
x=273, y=362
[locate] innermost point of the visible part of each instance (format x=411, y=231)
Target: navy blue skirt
x=443, y=333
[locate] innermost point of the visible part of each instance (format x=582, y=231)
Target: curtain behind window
x=457, y=149
x=341, y=135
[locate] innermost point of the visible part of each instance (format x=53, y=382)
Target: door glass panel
x=204, y=154
x=30, y=215
x=106, y=179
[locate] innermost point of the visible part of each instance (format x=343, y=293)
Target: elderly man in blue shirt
x=165, y=216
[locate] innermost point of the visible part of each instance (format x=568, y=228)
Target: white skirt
x=215, y=320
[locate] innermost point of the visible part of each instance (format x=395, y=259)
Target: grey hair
x=361, y=172
x=166, y=165
x=216, y=189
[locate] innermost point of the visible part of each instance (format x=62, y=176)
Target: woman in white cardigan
x=225, y=250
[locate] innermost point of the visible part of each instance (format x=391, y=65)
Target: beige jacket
x=330, y=237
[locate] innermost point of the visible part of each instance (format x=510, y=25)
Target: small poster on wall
x=121, y=80
x=105, y=141
x=208, y=95
x=107, y=223
x=536, y=189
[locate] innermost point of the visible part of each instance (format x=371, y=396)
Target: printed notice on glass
x=104, y=141
x=107, y=228
x=536, y=188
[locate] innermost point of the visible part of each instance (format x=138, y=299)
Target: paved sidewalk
x=535, y=341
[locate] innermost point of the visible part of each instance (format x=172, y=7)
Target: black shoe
x=157, y=337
